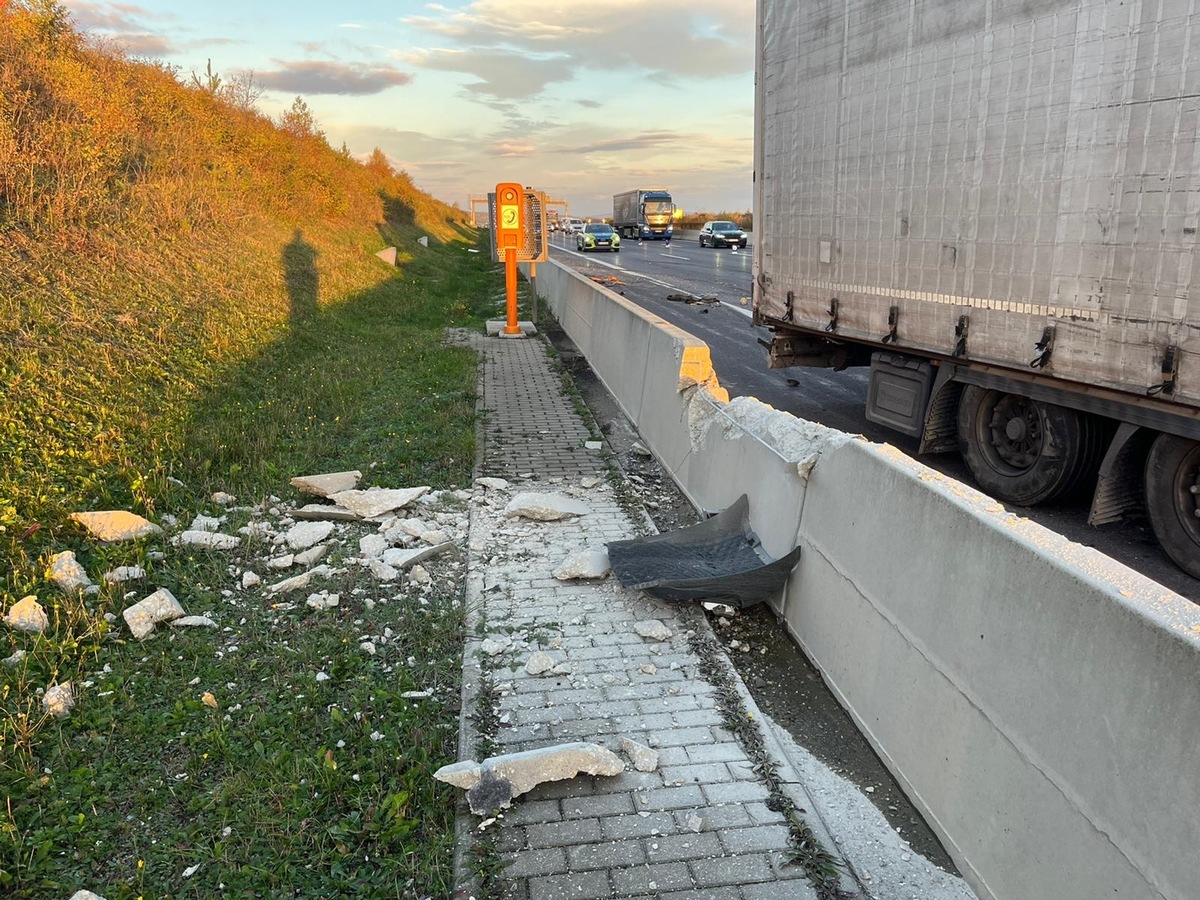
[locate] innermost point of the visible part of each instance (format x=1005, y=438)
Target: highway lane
x=647, y=273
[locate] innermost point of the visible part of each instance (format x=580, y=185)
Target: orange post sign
x=510, y=237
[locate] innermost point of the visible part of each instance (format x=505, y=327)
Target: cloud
x=117, y=17
x=502, y=74
x=589, y=104
x=667, y=40
x=647, y=140
x=122, y=23
x=319, y=77
x=509, y=150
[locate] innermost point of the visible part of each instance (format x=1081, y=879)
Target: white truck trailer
x=994, y=205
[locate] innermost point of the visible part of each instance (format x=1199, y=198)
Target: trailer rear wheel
x=1024, y=451
x=1173, y=498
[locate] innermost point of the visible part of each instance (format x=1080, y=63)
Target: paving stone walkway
x=699, y=826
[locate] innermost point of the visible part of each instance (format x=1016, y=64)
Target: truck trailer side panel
x=1010, y=167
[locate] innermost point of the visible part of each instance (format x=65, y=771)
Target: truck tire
x=1024, y=451
x=1173, y=498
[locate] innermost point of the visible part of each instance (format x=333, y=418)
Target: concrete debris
x=562, y=669
x=371, y=546
x=593, y=445
x=250, y=579
x=222, y=499
x=15, y=660
x=420, y=575
x=27, y=615
x=416, y=695
x=85, y=895
x=583, y=564
x=204, y=523
x=110, y=526
x=402, y=559
x=161, y=606
x=282, y=562
x=193, y=622
x=377, y=501
x=67, y=574
x=324, y=511
x=653, y=629
x=304, y=534
x=211, y=540
x=639, y=449
x=540, y=663
x=323, y=600
x=58, y=701
x=493, y=647
x=721, y=609
x=382, y=571
x=644, y=758
x=121, y=574
x=298, y=582
x=544, y=507
x=695, y=823
x=590, y=482
x=648, y=668
x=495, y=484
x=311, y=556
x=327, y=484
x=493, y=783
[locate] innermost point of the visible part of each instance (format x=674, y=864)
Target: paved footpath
x=699, y=826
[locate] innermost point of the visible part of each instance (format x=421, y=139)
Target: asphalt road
x=648, y=272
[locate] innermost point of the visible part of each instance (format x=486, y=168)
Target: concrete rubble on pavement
x=583, y=660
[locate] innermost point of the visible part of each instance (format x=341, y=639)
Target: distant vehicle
x=598, y=237
x=722, y=234
x=645, y=215
x=572, y=226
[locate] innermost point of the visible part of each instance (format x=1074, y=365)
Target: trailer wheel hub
x=1016, y=431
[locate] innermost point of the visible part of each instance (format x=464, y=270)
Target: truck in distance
x=644, y=214
x=1007, y=241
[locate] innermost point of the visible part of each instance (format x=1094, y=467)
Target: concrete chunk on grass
x=110, y=526
x=142, y=617
x=327, y=484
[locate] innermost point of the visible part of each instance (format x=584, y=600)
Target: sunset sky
x=580, y=99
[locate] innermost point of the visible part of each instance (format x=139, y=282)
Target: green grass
x=281, y=789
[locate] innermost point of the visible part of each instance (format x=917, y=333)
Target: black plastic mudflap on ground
x=720, y=559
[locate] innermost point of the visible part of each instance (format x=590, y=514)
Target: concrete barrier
x=1037, y=700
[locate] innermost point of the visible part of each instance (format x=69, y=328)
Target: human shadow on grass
x=300, y=276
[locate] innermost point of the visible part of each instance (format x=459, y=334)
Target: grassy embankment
x=189, y=302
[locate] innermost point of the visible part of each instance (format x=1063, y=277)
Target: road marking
x=735, y=307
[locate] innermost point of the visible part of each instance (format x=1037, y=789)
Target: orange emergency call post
x=510, y=238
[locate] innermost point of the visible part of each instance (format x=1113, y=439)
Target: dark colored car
x=598, y=236
x=722, y=234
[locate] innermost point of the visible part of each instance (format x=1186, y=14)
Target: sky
x=581, y=99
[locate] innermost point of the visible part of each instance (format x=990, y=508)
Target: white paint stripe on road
x=666, y=284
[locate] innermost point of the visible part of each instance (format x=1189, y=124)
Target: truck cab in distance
x=646, y=215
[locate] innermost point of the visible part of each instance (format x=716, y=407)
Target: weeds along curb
x=831, y=876
x=475, y=733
